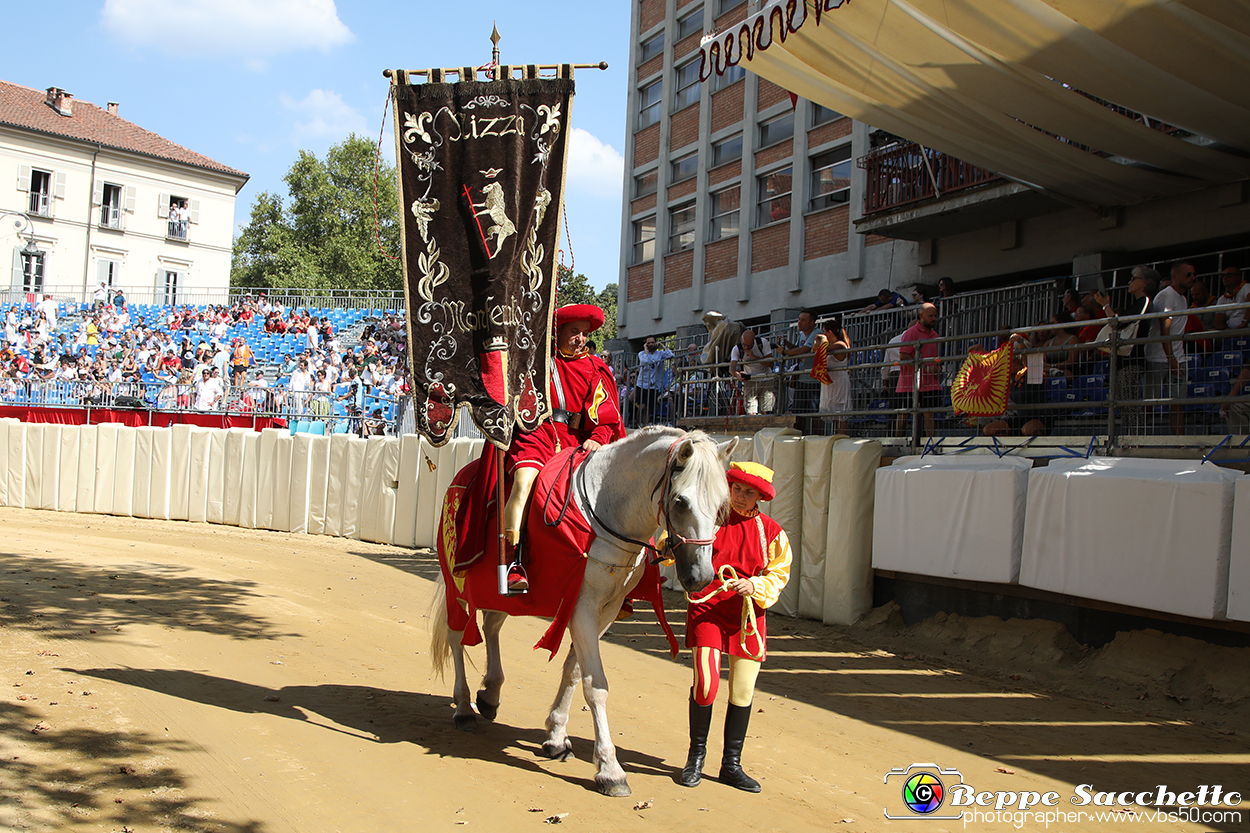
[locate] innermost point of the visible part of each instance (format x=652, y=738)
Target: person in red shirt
x=585, y=413
x=751, y=556
x=930, y=370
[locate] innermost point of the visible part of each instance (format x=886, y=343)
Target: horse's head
x=695, y=504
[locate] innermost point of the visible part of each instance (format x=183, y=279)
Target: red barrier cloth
x=135, y=419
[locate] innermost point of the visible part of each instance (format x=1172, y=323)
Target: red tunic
x=757, y=548
x=589, y=391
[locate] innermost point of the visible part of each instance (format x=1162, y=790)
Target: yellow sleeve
x=769, y=583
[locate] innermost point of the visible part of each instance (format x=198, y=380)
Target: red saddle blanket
x=555, y=558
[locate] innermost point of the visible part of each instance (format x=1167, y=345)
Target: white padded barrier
x=301, y=470
x=282, y=482
x=954, y=516
x=140, y=482
x=353, y=487
x=50, y=473
x=180, y=472
x=67, y=480
x=16, y=473
x=411, y=467
x=36, y=463
x=371, y=496
x=197, y=474
x=124, y=472
x=105, y=456
x=215, y=512
x=389, y=490
x=787, y=509
x=236, y=442
x=381, y=473
x=848, y=547
x=429, y=498
x=160, y=473
x=1153, y=534
x=4, y=459
x=1239, y=561
x=760, y=446
x=265, y=485
x=318, y=482
x=88, y=435
x=810, y=577
x=335, y=484
x=249, y=480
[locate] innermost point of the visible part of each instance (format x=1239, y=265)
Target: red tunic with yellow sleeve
x=757, y=548
x=586, y=387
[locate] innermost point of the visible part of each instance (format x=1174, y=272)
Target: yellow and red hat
x=579, y=312
x=755, y=475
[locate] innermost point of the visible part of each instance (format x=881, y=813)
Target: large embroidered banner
x=481, y=170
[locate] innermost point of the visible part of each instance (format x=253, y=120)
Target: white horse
x=656, y=478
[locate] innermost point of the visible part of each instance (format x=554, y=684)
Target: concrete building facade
x=107, y=201
x=737, y=197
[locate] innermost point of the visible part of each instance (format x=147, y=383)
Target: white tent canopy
x=1101, y=102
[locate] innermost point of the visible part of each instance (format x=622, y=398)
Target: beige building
x=89, y=197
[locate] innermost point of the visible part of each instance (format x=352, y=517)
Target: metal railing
x=1090, y=403
x=906, y=172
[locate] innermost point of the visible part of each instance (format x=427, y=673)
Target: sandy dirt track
x=172, y=676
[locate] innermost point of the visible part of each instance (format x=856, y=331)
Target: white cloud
x=593, y=166
x=256, y=29
x=323, y=114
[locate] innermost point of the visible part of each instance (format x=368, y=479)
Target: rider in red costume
x=584, y=412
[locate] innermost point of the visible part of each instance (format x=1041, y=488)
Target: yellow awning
x=1102, y=102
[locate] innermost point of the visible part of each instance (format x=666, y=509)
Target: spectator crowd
x=252, y=356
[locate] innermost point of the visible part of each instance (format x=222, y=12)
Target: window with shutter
x=195, y=212
x=97, y=193
x=60, y=186
x=130, y=199
x=23, y=177
x=162, y=205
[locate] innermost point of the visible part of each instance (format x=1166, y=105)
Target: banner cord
x=568, y=237
x=377, y=161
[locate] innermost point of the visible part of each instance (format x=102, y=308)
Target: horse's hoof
x=487, y=710
x=616, y=789
x=466, y=722
x=558, y=751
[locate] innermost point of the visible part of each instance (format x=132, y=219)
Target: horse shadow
x=379, y=715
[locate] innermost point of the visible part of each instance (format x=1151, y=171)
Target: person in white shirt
x=48, y=307
x=1236, y=291
x=100, y=296
x=751, y=362
x=1167, y=373
x=208, y=390
x=300, y=381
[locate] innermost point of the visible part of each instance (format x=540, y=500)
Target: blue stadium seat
x=1225, y=358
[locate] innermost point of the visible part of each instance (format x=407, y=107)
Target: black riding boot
x=700, y=721
x=736, y=720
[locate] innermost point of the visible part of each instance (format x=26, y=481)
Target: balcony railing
x=110, y=217
x=906, y=172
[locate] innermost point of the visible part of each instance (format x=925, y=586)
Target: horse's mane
x=703, y=477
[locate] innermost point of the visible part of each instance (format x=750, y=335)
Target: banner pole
x=503, y=544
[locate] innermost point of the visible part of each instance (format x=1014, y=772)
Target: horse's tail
x=440, y=648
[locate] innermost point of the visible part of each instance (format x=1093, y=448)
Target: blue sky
x=251, y=82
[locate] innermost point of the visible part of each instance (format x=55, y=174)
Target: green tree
x=607, y=302
x=323, y=236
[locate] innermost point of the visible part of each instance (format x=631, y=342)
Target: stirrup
x=518, y=582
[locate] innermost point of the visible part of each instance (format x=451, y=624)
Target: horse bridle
x=661, y=512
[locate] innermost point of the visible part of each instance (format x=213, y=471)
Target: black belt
x=572, y=420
